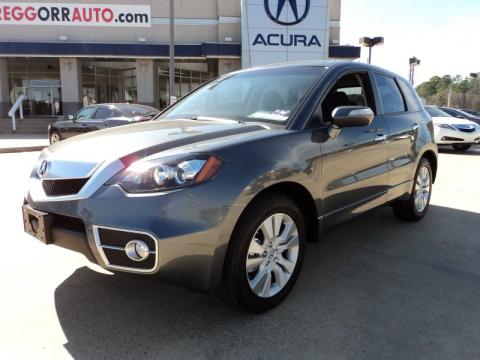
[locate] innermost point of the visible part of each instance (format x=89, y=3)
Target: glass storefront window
x=108, y=81
x=39, y=80
x=189, y=74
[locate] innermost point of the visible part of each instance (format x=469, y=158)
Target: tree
x=464, y=93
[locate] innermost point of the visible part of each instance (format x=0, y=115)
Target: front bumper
x=449, y=137
x=187, y=230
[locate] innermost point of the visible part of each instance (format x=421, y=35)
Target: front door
x=354, y=171
x=80, y=122
x=44, y=101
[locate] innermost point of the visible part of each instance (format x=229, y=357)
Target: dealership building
x=63, y=56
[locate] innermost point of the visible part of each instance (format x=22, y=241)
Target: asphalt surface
x=374, y=288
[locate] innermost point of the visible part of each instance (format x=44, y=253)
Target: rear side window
x=409, y=95
x=390, y=95
x=103, y=113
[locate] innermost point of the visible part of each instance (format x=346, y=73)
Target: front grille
x=63, y=187
x=121, y=238
x=112, y=243
x=465, y=128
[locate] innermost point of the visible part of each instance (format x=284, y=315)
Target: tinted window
x=261, y=95
x=85, y=113
x=390, y=95
x=103, y=113
x=409, y=95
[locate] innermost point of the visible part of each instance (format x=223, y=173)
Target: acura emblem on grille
x=43, y=168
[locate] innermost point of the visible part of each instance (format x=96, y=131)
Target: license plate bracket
x=37, y=223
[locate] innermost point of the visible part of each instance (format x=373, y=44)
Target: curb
x=22, y=149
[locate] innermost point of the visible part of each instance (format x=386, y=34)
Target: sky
x=444, y=35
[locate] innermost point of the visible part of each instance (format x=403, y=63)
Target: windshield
x=260, y=95
x=436, y=112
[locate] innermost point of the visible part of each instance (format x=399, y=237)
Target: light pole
x=370, y=43
x=474, y=77
x=413, y=61
x=171, y=74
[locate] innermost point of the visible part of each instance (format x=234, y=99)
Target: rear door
x=354, y=174
x=401, y=113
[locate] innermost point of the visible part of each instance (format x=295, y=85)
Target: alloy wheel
x=54, y=138
x=272, y=255
x=422, y=189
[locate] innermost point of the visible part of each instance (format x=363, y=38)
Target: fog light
x=137, y=250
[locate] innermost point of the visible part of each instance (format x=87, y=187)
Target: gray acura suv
x=225, y=187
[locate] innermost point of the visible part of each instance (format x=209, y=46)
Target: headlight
x=167, y=173
x=447, y=126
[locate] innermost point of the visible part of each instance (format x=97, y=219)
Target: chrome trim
x=356, y=203
x=100, y=247
x=102, y=174
x=64, y=169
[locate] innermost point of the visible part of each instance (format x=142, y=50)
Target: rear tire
x=461, y=147
x=416, y=206
x=260, y=269
x=54, y=137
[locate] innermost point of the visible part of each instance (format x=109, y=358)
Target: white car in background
x=460, y=133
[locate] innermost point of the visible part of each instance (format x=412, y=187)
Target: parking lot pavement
x=374, y=288
x=12, y=143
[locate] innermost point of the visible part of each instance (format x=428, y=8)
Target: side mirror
x=70, y=117
x=350, y=116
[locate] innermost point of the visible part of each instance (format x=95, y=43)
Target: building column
x=147, y=82
x=5, y=101
x=70, y=77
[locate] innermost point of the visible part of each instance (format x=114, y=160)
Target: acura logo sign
x=278, y=13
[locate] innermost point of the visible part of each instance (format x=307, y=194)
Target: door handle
x=414, y=126
x=380, y=137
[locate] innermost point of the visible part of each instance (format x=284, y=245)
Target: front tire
x=461, y=147
x=54, y=137
x=265, y=254
x=416, y=206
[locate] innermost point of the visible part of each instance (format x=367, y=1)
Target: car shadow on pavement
x=374, y=287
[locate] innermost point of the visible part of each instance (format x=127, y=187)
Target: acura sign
x=280, y=10
x=283, y=30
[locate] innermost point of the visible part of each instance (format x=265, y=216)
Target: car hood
x=80, y=155
x=451, y=121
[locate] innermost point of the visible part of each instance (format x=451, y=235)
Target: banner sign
x=12, y=13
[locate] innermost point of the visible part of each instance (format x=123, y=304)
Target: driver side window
x=350, y=90
x=85, y=114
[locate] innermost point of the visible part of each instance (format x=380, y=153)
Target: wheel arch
x=301, y=196
x=432, y=159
